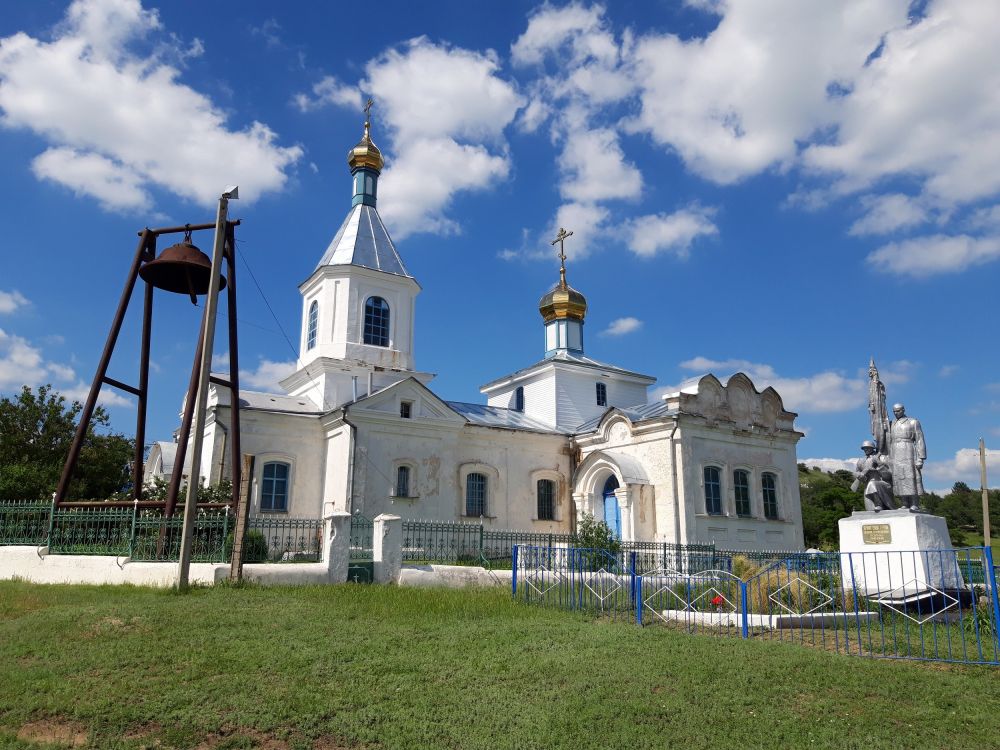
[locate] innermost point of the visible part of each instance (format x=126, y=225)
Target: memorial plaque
x=876, y=533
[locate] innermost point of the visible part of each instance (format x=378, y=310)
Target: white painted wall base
x=452, y=576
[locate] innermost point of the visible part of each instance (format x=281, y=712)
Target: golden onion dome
x=366, y=153
x=562, y=301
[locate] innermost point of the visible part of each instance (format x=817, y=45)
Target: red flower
x=717, y=600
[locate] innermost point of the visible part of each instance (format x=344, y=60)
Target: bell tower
x=359, y=302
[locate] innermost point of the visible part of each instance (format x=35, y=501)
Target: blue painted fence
x=937, y=605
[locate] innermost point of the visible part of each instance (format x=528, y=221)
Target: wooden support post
x=242, y=517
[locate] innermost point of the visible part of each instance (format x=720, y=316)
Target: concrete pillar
x=388, y=548
x=580, y=500
x=336, y=542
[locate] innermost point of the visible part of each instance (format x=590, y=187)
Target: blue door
x=612, y=513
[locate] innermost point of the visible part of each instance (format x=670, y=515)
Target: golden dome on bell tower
x=562, y=301
x=366, y=153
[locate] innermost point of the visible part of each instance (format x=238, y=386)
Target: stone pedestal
x=897, y=554
x=387, y=543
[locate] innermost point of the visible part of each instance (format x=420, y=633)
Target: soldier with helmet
x=873, y=472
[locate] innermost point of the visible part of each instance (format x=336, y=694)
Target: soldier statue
x=873, y=473
x=907, y=454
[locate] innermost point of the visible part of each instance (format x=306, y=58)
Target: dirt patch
x=146, y=735
x=268, y=741
x=54, y=732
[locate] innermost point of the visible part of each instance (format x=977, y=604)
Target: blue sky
x=785, y=188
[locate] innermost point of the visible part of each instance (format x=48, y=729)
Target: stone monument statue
x=900, y=445
x=873, y=473
x=907, y=453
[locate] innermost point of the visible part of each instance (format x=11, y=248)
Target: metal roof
x=574, y=359
x=363, y=240
x=636, y=413
x=496, y=416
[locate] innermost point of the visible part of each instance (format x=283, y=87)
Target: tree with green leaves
x=36, y=430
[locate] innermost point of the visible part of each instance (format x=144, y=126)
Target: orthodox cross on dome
x=368, y=109
x=561, y=239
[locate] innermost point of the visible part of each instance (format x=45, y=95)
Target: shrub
x=254, y=546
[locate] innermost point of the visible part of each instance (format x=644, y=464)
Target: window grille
x=313, y=325
x=475, y=494
x=376, y=322
x=403, y=481
x=713, y=491
x=741, y=485
x=546, y=510
x=274, y=489
x=769, y=488
x=602, y=394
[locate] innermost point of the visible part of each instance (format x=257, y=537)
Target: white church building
x=360, y=427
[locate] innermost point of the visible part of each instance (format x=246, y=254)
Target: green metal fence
x=362, y=531
x=145, y=535
x=24, y=523
x=455, y=543
x=287, y=539
x=663, y=556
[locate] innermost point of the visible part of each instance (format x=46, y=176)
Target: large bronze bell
x=182, y=269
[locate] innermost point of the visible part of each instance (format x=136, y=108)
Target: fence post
x=991, y=571
x=631, y=570
x=225, y=533
x=52, y=522
x=745, y=617
x=387, y=543
x=131, y=538
x=638, y=600
x=481, y=557
x=513, y=571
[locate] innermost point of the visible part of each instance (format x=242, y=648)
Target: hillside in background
x=827, y=497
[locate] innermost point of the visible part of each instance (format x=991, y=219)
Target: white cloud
x=267, y=375
x=621, y=326
x=962, y=467
x=947, y=371
x=831, y=464
x=586, y=221
x=115, y=186
x=22, y=363
x=927, y=107
x=888, y=213
x=935, y=254
x=650, y=235
x=582, y=29
x=985, y=218
x=328, y=91
x=446, y=110
x=595, y=168
x=111, y=115
x=823, y=392
x=739, y=100
x=12, y=301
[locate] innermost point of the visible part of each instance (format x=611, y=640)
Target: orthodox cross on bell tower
x=561, y=239
x=368, y=110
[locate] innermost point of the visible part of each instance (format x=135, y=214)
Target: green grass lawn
x=380, y=667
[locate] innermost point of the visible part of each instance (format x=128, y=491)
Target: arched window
x=713, y=491
x=313, y=325
x=602, y=394
x=741, y=487
x=769, y=488
x=376, y=322
x=274, y=487
x=403, y=481
x=519, y=398
x=475, y=494
x=546, y=491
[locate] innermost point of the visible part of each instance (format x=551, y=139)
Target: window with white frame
x=545, y=490
x=476, y=486
x=313, y=325
x=602, y=394
x=713, y=491
x=376, y=322
x=741, y=490
x=405, y=409
x=274, y=486
x=769, y=489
